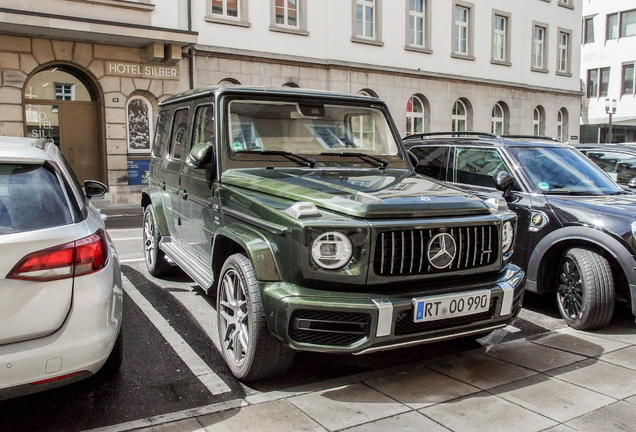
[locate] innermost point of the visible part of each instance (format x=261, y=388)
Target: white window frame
x=151, y=117
x=562, y=124
x=498, y=122
x=301, y=19
x=240, y=20
x=539, y=50
x=376, y=9
x=538, y=123
x=564, y=56
x=462, y=31
x=501, y=39
x=64, y=91
x=414, y=117
x=458, y=119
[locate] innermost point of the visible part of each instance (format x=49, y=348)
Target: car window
x=31, y=198
x=161, y=135
x=203, y=125
x=620, y=166
x=178, y=135
x=430, y=160
x=477, y=166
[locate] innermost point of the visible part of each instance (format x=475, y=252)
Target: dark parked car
x=576, y=226
x=300, y=212
x=617, y=160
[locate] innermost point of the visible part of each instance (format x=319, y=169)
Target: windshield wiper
x=299, y=159
x=370, y=159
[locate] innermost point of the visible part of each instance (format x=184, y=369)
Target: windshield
x=323, y=131
x=556, y=170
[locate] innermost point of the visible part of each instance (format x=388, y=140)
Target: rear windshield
x=31, y=198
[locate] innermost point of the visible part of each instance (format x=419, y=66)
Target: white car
x=61, y=294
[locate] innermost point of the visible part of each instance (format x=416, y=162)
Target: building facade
x=608, y=59
x=487, y=66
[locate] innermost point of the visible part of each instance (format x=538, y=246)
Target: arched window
x=368, y=92
x=538, y=123
x=562, y=124
x=228, y=81
x=290, y=84
x=414, y=116
x=497, y=119
x=460, y=116
x=139, y=124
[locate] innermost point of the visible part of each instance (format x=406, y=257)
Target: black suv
x=617, y=160
x=299, y=210
x=576, y=226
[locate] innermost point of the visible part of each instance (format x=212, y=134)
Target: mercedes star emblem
x=441, y=250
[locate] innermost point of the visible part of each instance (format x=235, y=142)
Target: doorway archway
x=61, y=103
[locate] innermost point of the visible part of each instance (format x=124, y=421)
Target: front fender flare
x=152, y=196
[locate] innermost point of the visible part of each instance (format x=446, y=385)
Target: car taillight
x=76, y=258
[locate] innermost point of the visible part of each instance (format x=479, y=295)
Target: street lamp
x=610, y=109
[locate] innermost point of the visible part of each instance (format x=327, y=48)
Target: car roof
x=210, y=91
x=483, y=140
x=631, y=147
x=27, y=150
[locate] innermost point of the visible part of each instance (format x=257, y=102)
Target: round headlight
x=507, y=236
x=332, y=250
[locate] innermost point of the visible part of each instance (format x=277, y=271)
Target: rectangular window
x=499, y=38
x=588, y=30
x=233, y=12
x=365, y=19
x=628, y=23
x=564, y=52
x=64, y=91
x=628, y=79
x=461, y=30
x=604, y=81
x=612, y=26
x=592, y=83
x=287, y=13
x=226, y=8
x=417, y=22
x=538, y=47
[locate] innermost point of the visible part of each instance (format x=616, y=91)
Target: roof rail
x=455, y=135
x=533, y=137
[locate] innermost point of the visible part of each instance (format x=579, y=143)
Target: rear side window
x=431, y=161
x=31, y=198
x=178, y=136
x=161, y=135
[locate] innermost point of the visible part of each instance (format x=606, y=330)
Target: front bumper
x=359, y=323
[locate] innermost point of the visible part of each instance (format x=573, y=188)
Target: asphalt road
x=172, y=362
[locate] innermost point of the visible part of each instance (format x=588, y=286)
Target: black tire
x=585, y=290
x=116, y=357
x=155, y=258
x=249, y=349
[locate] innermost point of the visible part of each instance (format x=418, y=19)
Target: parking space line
x=131, y=260
x=198, y=367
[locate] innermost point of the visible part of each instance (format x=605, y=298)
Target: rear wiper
x=300, y=159
x=372, y=160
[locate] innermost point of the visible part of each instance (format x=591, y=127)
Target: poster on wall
x=138, y=172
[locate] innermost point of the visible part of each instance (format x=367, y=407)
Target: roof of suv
x=485, y=139
x=30, y=150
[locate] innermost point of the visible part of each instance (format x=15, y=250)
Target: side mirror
x=93, y=188
x=503, y=182
x=632, y=183
x=201, y=154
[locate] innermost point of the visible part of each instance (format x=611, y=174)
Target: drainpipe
x=190, y=47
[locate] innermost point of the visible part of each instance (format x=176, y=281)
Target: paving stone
x=408, y=422
x=615, y=381
x=480, y=370
x=620, y=416
x=421, y=387
x=625, y=357
x=533, y=356
x=580, y=343
x=347, y=406
x=553, y=398
x=483, y=412
x=267, y=417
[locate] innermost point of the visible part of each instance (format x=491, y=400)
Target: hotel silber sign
x=142, y=70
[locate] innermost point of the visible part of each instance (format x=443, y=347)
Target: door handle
x=183, y=194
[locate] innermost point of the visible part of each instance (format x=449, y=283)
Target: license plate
x=450, y=306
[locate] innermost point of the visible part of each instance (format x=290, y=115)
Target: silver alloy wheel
x=150, y=246
x=234, y=318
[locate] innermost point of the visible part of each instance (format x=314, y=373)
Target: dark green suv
x=301, y=213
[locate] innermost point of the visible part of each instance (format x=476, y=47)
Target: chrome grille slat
x=396, y=252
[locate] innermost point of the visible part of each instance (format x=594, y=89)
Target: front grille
x=404, y=324
x=411, y=252
x=328, y=327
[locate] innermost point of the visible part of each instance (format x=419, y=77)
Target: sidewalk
x=561, y=381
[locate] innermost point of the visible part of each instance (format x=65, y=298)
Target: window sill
x=418, y=49
x=501, y=63
x=462, y=56
x=227, y=21
x=545, y=71
x=289, y=30
x=567, y=6
x=367, y=41
x=124, y=4
x=564, y=74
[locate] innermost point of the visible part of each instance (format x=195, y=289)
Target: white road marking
x=206, y=375
x=131, y=260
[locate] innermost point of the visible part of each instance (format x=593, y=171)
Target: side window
x=203, y=125
x=161, y=135
x=619, y=166
x=430, y=161
x=477, y=166
x=178, y=135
